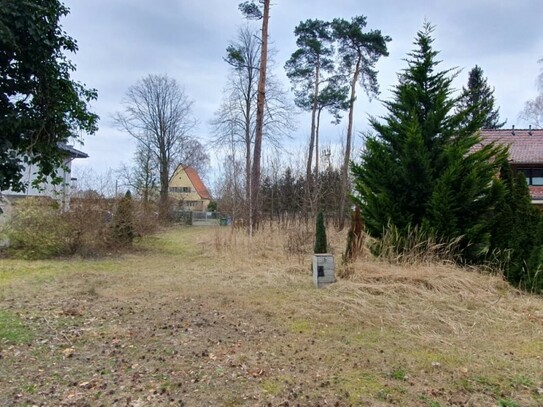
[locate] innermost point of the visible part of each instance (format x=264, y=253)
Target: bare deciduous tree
x=229, y=188
x=142, y=176
x=252, y=11
x=533, y=109
x=194, y=154
x=158, y=113
x=89, y=182
x=234, y=124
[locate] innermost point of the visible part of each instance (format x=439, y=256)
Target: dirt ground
x=201, y=317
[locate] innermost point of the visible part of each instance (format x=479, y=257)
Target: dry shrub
x=90, y=225
x=145, y=219
x=89, y=219
x=298, y=242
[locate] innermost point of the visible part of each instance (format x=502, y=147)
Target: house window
x=534, y=176
x=179, y=190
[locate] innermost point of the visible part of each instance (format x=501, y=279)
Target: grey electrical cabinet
x=323, y=270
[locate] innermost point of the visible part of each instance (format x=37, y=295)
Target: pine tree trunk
x=347, y=157
x=309, y=168
x=315, y=197
x=248, y=162
x=248, y=171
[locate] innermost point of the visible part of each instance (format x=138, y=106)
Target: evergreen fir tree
x=478, y=99
x=421, y=169
x=122, y=223
x=517, y=239
x=320, y=239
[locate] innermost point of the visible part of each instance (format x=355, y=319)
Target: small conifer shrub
x=320, y=238
x=122, y=225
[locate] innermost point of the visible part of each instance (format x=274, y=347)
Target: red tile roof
x=525, y=146
x=197, y=182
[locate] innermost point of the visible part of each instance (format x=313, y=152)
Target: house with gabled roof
x=525, y=155
x=187, y=188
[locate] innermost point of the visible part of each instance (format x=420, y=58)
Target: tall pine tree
x=478, y=99
x=424, y=167
x=310, y=69
x=359, y=51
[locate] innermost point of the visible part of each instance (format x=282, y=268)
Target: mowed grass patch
x=13, y=330
x=171, y=242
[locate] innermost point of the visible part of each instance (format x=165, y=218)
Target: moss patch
x=13, y=330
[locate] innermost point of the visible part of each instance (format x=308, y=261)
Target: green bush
x=37, y=230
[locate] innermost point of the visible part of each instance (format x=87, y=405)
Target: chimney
x=513, y=130
x=530, y=130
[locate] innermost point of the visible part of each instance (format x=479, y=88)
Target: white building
x=60, y=192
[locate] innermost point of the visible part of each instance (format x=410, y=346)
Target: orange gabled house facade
x=188, y=189
x=525, y=155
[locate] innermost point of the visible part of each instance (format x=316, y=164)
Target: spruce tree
x=320, y=238
x=422, y=168
x=122, y=223
x=478, y=99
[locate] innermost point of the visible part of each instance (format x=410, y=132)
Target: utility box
x=323, y=270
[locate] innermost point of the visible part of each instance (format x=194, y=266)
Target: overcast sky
x=121, y=41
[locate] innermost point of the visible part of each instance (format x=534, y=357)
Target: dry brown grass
x=413, y=293
x=434, y=316
x=212, y=317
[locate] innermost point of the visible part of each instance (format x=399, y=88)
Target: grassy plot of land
x=206, y=317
